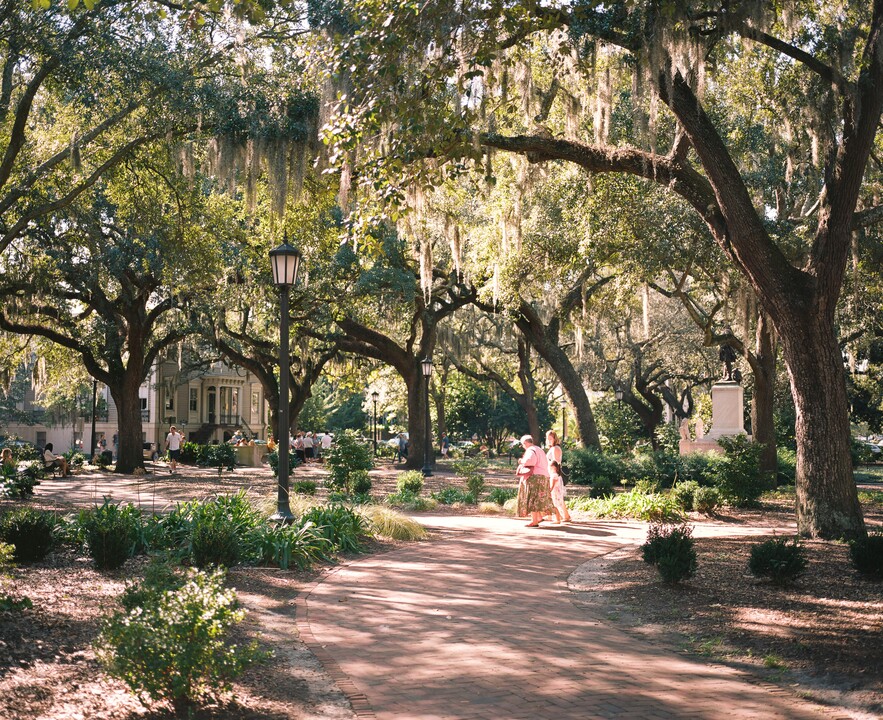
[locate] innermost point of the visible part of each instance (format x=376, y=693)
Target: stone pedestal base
x=685, y=447
x=727, y=419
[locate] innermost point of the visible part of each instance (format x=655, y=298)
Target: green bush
x=22, y=450
x=657, y=507
x=452, y=495
x=360, y=483
x=304, y=487
x=501, y=495
x=112, y=533
x=671, y=549
x=273, y=462
x=338, y=524
x=410, y=481
x=706, y=500
x=470, y=469
x=658, y=469
x=601, y=488
x=30, y=531
x=222, y=455
x=300, y=544
x=867, y=555
x=786, y=466
x=175, y=646
x=221, y=530
x=20, y=484
x=160, y=576
x=777, y=560
x=738, y=475
x=684, y=494
x=345, y=459
x=410, y=501
x=699, y=467
x=588, y=465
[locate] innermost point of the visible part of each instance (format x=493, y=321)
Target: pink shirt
x=535, y=458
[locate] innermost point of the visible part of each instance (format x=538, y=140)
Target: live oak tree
x=538, y=80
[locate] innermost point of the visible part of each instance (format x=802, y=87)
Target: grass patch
x=389, y=523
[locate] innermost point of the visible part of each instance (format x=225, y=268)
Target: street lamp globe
x=426, y=364
x=618, y=393
x=285, y=260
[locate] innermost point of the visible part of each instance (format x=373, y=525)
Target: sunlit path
x=480, y=624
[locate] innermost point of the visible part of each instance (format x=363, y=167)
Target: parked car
x=150, y=452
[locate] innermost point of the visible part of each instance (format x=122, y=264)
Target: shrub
x=20, y=484
x=647, y=485
x=452, y=495
x=470, y=470
x=657, y=507
x=299, y=544
x=410, y=501
x=304, y=487
x=706, y=500
x=684, y=494
x=657, y=468
x=159, y=577
x=175, y=646
x=671, y=549
x=786, y=466
x=410, y=481
x=346, y=457
x=867, y=555
x=699, y=467
x=777, y=560
x=112, y=533
x=738, y=475
x=273, y=462
x=220, y=456
x=587, y=465
x=360, y=483
x=601, y=488
x=340, y=525
x=221, y=530
x=501, y=495
x=30, y=531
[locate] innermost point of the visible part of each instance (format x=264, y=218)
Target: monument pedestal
x=727, y=419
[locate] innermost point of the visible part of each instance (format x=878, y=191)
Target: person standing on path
x=173, y=445
x=534, y=497
x=554, y=459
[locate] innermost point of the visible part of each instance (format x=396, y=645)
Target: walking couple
x=540, y=485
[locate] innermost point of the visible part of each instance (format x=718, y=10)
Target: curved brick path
x=480, y=625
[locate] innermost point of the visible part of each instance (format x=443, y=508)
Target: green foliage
x=699, y=467
x=304, y=487
x=160, y=576
x=640, y=506
x=346, y=457
x=668, y=438
x=30, y=531
x=588, y=465
x=360, y=483
x=867, y=555
x=222, y=455
x=706, y=500
x=410, y=501
x=778, y=560
x=20, y=483
x=300, y=544
x=410, y=481
x=338, y=524
x=470, y=469
x=601, y=488
x=684, y=494
x=273, y=462
x=112, y=533
x=452, y=495
x=671, y=549
x=220, y=530
x=175, y=646
x=738, y=475
x=786, y=466
x=657, y=468
x=619, y=426
x=501, y=495
x=75, y=458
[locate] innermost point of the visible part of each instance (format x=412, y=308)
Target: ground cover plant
x=780, y=559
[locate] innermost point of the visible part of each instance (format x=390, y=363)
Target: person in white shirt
x=534, y=496
x=173, y=445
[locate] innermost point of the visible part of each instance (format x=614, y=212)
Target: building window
x=194, y=400
x=255, y=405
x=41, y=438
x=170, y=399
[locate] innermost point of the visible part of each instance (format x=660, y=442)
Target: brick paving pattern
x=480, y=625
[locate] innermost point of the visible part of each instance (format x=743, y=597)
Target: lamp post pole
x=426, y=366
x=94, y=406
x=286, y=262
x=374, y=397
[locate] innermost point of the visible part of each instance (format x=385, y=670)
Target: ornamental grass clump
x=30, y=531
x=778, y=560
x=299, y=545
x=388, y=523
x=867, y=555
x=175, y=646
x=671, y=549
x=221, y=530
x=338, y=524
x=112, y=533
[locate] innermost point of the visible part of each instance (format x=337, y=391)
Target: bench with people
x=54, y=463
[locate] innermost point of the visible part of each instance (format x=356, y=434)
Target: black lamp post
x=94, y=407
x=617, y=393
x=286, y=263
x=426, y=366
x=374, y=397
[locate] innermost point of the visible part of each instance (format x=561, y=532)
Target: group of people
x=540, y=483
x=307, y=446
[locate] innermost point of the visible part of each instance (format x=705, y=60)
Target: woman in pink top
x=533, y=483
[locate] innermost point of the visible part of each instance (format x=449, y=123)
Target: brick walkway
x=480, y=625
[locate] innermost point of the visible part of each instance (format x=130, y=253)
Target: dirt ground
x=824, y=633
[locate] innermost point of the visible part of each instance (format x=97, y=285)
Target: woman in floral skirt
x=534, y=497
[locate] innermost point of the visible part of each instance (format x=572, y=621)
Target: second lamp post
x=426, y=366
x=286, y=263
x=374, y=397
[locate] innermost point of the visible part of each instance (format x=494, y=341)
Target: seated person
x=7, y=460
x=51, y=460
